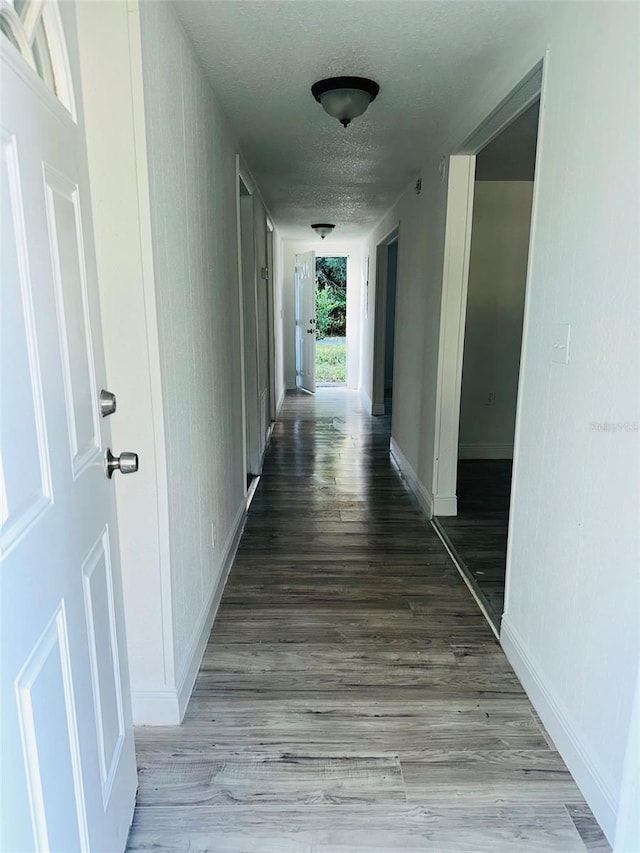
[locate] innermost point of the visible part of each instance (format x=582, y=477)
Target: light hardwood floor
x=352, y=697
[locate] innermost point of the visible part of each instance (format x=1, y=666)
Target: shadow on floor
x=478, y=534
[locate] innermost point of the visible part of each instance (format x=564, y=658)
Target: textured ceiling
x=263, y=57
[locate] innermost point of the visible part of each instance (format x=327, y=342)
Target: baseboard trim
x=421, y=494
x=252, y=490
x=485, y=451
x=557, y=721
x=366, y=401
x=445, y=505
x=193, y=658
x=155, y=707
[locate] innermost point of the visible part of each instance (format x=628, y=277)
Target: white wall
x=571, y=621
x=191, y=164
x=355, y=278
x=163, y=173
x=420, y=220
x=493, y=330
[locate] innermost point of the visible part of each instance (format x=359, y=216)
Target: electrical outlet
x=214, y=534
x=491, y=399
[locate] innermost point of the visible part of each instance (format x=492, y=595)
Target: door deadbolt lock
x=126, y=463
x=107, y=403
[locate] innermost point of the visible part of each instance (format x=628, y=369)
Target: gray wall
x=493, y=330
x=390, y=316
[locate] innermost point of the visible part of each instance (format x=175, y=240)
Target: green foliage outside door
x=331, y=297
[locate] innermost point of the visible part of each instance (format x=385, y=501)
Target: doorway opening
x=248, y=334
x=492, y=341
x=331, y=321
x=384, y=324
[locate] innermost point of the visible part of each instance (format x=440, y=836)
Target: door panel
x=49, y=735
x=72, y=306
x=25, y=486
x=68, y=763
x=97, y=579
x=306, y=321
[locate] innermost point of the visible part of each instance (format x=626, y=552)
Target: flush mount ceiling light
x=322, y=229
x=345, y=98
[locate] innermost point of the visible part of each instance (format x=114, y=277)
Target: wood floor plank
x=352, y=696
x=285, y=779
x=453, y=829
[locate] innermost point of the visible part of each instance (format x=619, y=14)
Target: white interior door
x=68, y=759
x=306, y=321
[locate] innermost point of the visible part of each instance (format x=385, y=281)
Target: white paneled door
x=306, y=321
x=68, y=761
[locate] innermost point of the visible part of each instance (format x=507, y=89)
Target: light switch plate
x=561, y=335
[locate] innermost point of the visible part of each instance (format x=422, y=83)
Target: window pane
x=42, y=56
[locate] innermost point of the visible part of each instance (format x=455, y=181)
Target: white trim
x=366, y=401
x=167, y=707
x=561, y=728
x=255, y=482
x=421, y=494
x=445, y=505
x=155, y=707
x=508, y=110
x=455, y=279
x=200, y=637
x=485, y=451
x=151, y=332
x=239, y=177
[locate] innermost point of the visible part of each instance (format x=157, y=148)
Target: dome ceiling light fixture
x=323, y=228
x=345, y=98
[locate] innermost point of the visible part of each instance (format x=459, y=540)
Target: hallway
x=352, y=696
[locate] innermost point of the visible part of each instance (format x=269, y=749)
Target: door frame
x=239, y=180
x=271, y=325
x=243, y=181
x=380, y=321
x=299, y=322
x=455, y=280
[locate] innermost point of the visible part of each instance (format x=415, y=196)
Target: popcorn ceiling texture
x=262, y=58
